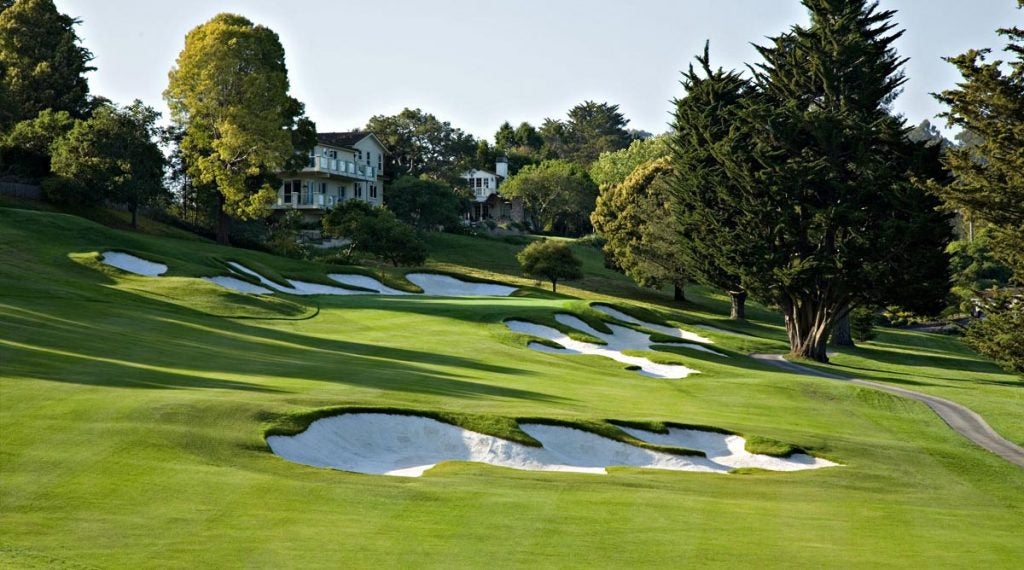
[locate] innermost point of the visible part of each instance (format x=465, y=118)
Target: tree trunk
x=135, y=217
x=223, y=223
x=554, y=286
x=841, y=334
x=738, y=311
x=678, y=294
x=808, y=325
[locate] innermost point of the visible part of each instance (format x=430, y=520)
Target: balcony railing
x=341, y=167
x=312, y=201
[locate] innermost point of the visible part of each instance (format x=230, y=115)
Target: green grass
x=133, y=412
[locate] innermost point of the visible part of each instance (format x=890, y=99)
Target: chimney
x=501, y=166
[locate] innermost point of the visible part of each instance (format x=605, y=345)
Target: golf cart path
x=963, y=420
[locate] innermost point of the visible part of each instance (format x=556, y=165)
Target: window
x=368, y=163
x=373, y=190
x=358, y=191
x=479, y=182
x=487, y=182
x=323, y=187
x=380, y=162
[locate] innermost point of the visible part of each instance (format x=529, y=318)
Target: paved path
x=961, y=419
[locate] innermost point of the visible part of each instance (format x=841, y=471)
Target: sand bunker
x=667, y=331
x=728, y=450
x=407, y=446
x=620, y=339
x=132, y=264
x=435, y=285
x=366, y=283
x=239, y=285
x=297, y=287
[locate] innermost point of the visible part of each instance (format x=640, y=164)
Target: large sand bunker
x=130, y=263
x=407, y=446
x=620, y=339
x=436, y=285
x=297, y=287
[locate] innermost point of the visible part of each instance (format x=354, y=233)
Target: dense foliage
x=375, y=231
x=637, y=218
x=425, y=204
x=550, y=260
x=808, y=186
x=42, y=65
x=419, y=144
x=229, y=94
x=113, y=156
x=558, y=195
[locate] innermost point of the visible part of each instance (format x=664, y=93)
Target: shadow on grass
x=139, y=342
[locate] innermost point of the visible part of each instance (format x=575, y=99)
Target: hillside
x=134, y=413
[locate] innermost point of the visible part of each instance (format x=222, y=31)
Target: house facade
x=342, y=166
x=488, y=204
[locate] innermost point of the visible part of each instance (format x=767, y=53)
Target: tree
x=43, y=66
x=613, y=168
x=815, y=176
x=375, y=231
x=114, y=156
x=425, y=204
x=929, y=134
x=559, y=196
x=505, y=137
x=419, y=143
x=989, y=105
x=595, y=128
x=28, y=146
x=637, y=217
x=550, y=260
x=229, y=92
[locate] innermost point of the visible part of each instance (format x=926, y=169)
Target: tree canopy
x=419, y=144
x=614, y=167
x=113, y=156
x=807, y=182
x=42, y=65
x=591, y=128
x=375, y=231
x=229, y=92
x=989, y=104
x=558, y=195
x=425, y=204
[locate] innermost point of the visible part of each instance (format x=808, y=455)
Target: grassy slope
x=131, y=414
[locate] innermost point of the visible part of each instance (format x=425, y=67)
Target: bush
x=376, y=231
x=550, y=260
x=998, y=333
x=862, y=322
x=283, y=236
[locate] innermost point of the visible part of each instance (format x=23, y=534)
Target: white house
x=342, y=166
x=488, y=204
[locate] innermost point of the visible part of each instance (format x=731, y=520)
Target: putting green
x=133, y=412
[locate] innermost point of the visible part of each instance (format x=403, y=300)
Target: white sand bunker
x=620, y=339
x=132, y=264
x=297, y=287
x=667, y=331
x=435, y=285
x=238, y=285
x=728, y=450
x=366, y=283
x=407, y=446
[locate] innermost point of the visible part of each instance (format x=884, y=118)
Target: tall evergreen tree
x=989, y=184
x=816, y=178
x=42, y=65
x=229, y=92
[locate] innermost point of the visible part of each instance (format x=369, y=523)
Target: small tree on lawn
x=550, y=260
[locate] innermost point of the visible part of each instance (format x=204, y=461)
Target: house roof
x=347, y=139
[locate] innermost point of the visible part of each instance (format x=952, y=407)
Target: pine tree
x=989, y=184
x=809, y=187
x=42, y=65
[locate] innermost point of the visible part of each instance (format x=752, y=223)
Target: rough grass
x=133, y=411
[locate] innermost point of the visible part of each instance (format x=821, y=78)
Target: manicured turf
x=132, y=414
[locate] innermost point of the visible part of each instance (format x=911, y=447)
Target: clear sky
x=477, y=63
